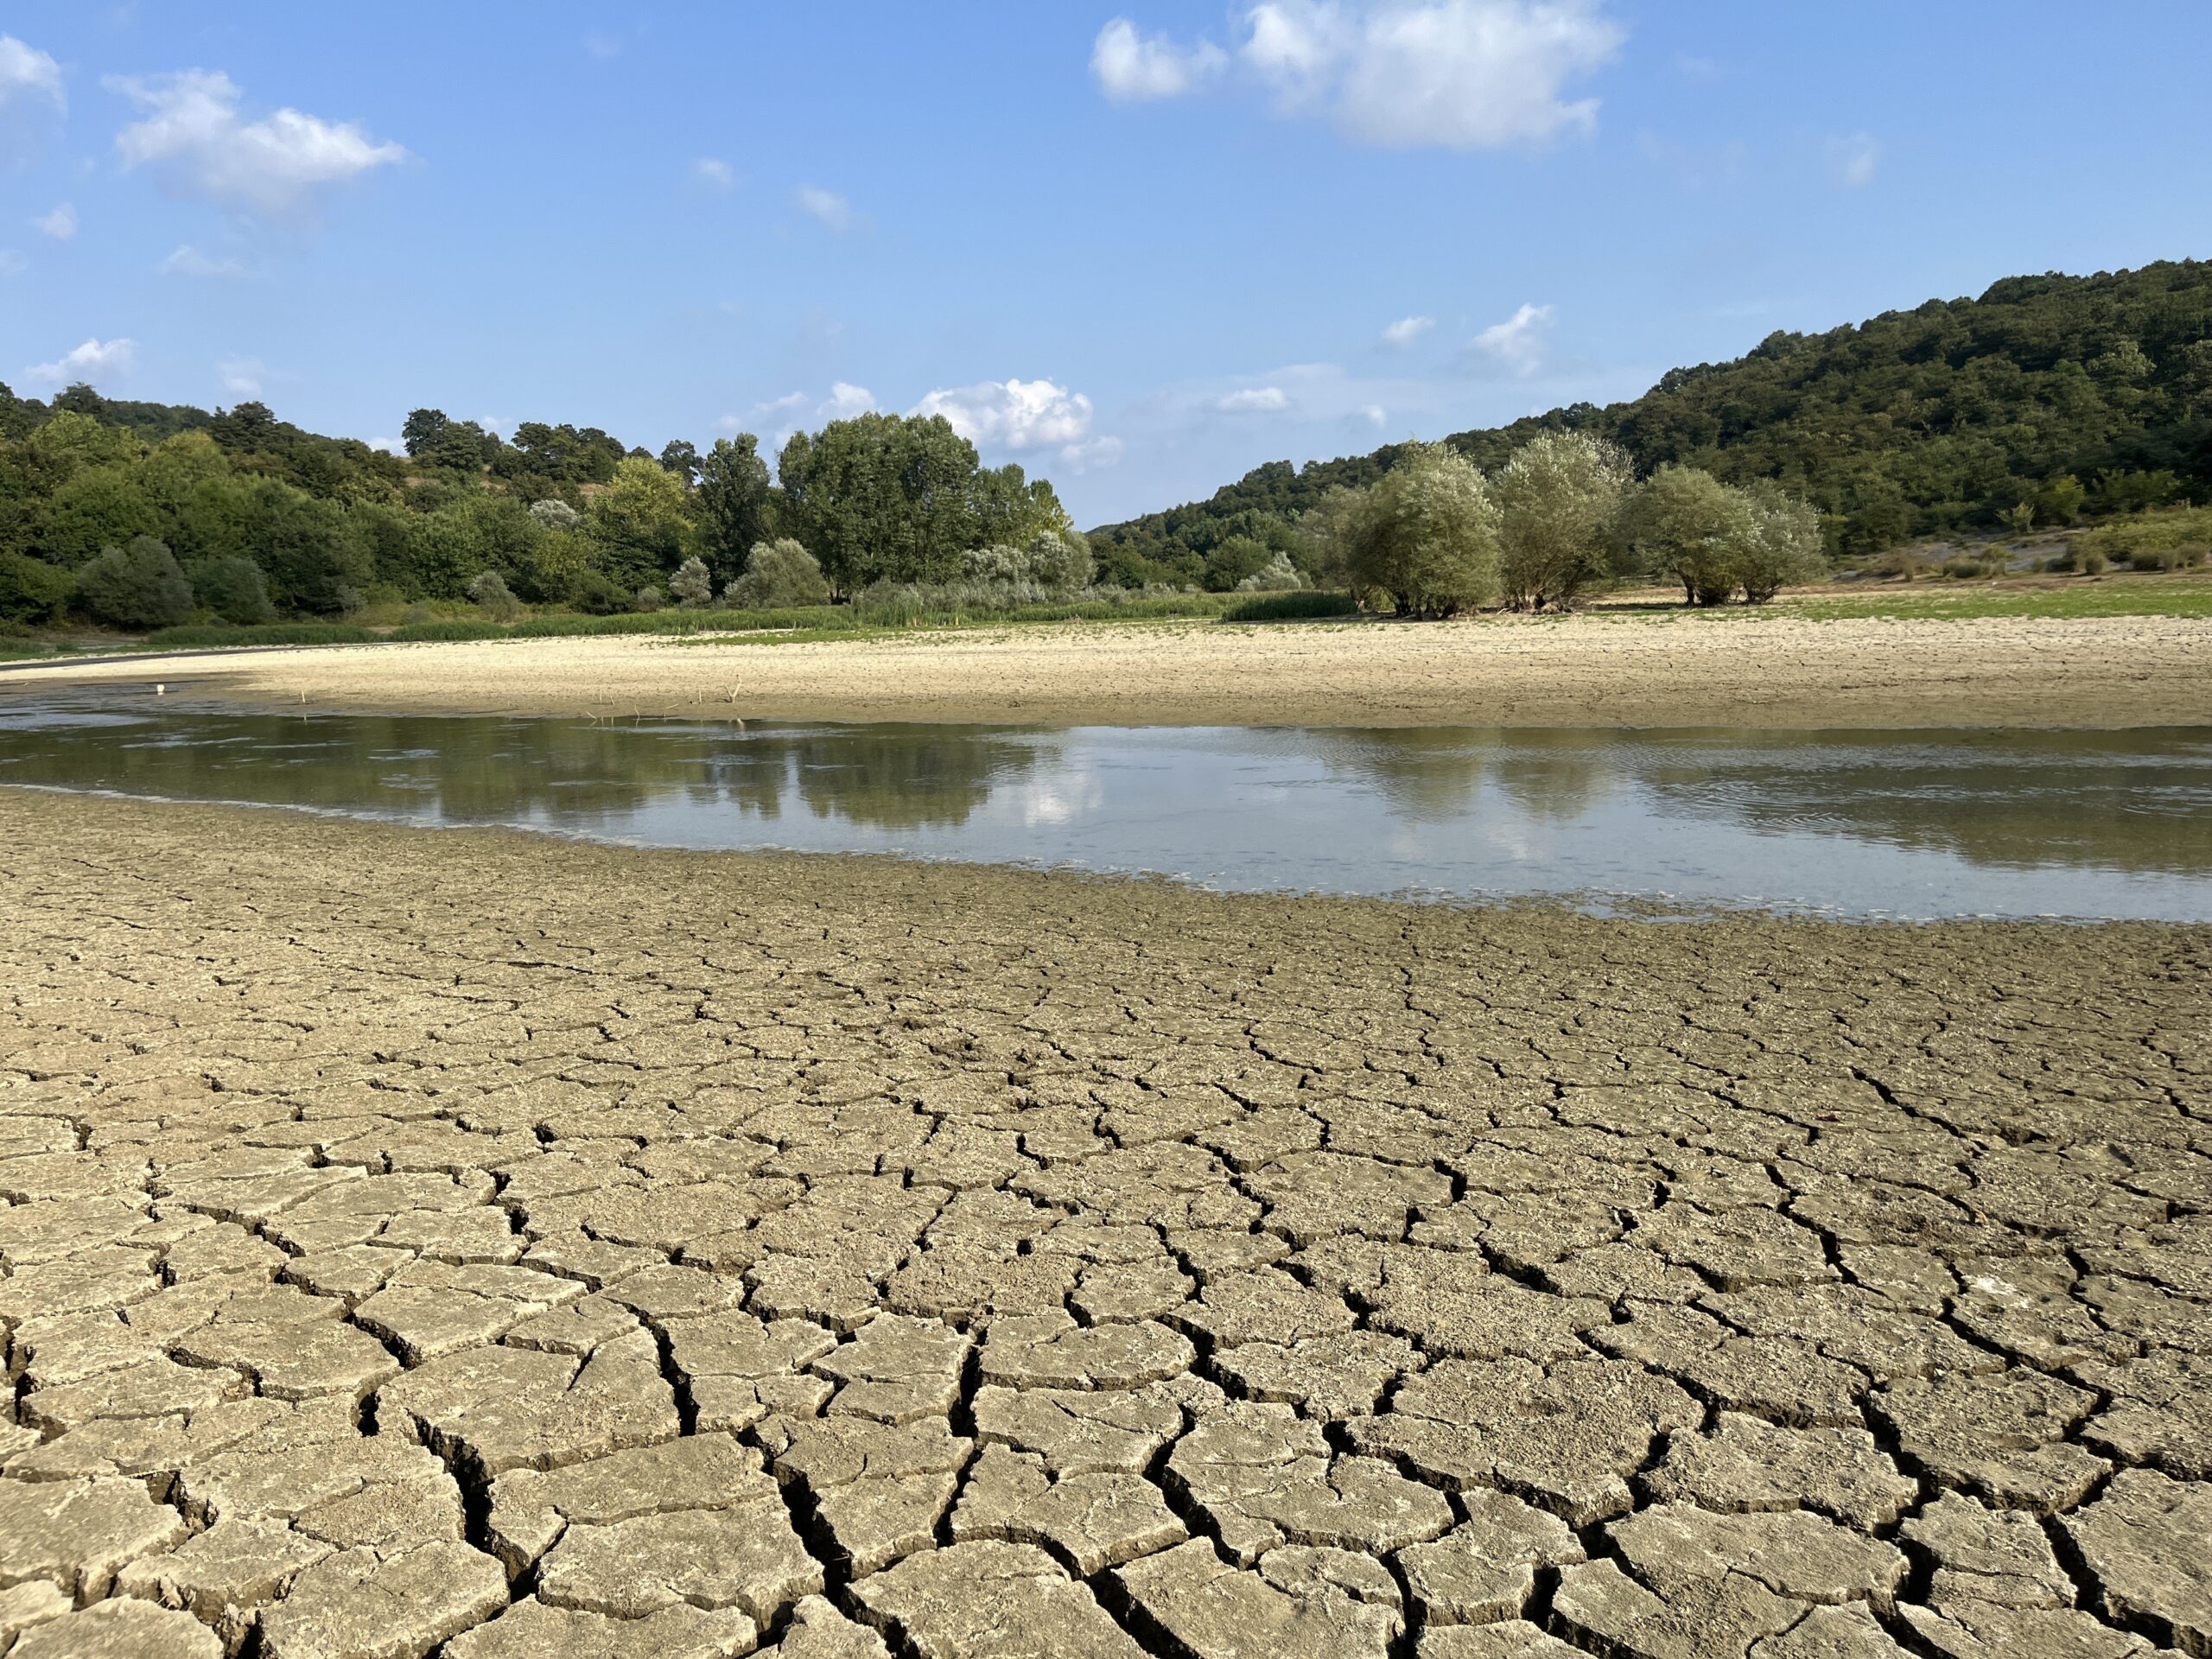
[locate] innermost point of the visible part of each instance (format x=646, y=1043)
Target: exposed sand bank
x=401, y=1223
x=1767, y=671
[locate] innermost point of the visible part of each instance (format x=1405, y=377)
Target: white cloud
x=715, y=173
x=1406, y=330
x=188, y=261
x=1853, y=160
x=845, y=400
x=1012, y=414
x=193, y=137
x=60, y=223
x=241, y=376
x=94, y=356
x=12, y=264
x=1518, y=342
x=1253, y=400
x=1131, y=67
x=28, y=75
x=1463, y=74
x=1091, y=454
x=826, y=207
x=389, y=446
x=1375, y=415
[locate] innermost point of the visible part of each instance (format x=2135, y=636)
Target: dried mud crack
x=476, y=1245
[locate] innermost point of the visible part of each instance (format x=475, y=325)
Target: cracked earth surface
x=469, y=1244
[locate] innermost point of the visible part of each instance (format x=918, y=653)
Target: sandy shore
x=543, y=1248
x=1768, y=671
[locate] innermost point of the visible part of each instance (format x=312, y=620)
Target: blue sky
x=1140, y=250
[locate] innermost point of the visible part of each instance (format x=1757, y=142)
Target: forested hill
x=1913, y=422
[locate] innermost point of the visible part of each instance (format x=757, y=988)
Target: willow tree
x=1559, y=506
x=1426, y=537
x=1686, y=524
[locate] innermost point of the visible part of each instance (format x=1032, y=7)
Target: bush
x=1290, y=607
x=598, y=593
x=778, y=576
x=206, y=636
x=1904, y=562
x=32, y=590
x=1054, y=560
x=1277, y=575
x=138, y=587
x=233, y=588
x=692, y=584
x=554, y=513
x=1961, y=567
x=494, y=598
x=648, y=598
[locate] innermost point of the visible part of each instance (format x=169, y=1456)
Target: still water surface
x=1918, y=823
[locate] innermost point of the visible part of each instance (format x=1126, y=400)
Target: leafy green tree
x=31, y=590
x=420, y=432
x=2061, y=499
x=492, y=595
x=681, y=456
x=778, y=576
x=1325, y=534
x=315, y=557
x=1060, y=559
x=1426, y=537
x=642, y=524
x=1783, y=547
x=232, y=587
x=1687, y=525
x=99, y=507
x=1234, y=558
x=1559, y=502
x=732, y=502
x=136, y=587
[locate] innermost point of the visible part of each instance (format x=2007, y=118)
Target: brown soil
x=1740, y=670
x=555, y=1248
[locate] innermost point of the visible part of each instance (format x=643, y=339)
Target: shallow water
x=1920, y=824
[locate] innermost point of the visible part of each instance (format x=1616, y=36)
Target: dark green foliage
x=1232, y=559
x=733, y=501
x=32, y=590
x=139, y=586
x=1290, y=608
x=1914, y=422
x=233, y=588
x=208, y=636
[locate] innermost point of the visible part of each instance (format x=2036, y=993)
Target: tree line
x=2045, y=401
x=139, y=514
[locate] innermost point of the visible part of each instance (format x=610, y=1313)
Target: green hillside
x=1914, y=422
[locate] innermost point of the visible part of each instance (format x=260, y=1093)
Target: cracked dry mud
x=470, y=1244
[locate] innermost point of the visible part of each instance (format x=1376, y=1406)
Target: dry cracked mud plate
x=474, y=1246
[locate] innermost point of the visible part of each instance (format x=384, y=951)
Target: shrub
x=778, y=576
x=693, y=586
x=554, y=513
x=138, y=587
x=1905, y=563
x=1055, y=560
x=1277, y=575
x=493, y=597
x=233, y=588
x=1290, y=607
x=32, y=590
x=211, y=636
x=648, y=598
x=598, y=593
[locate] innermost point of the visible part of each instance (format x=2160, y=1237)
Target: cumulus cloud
x=1406, y=330
x=1012, y=414
x=188, y=261
x=715, y=173
x=29, y=76
x=1459, y=74
x=1253, y=400
x=241, y=376
x=1132, y=67
x=825, y=207
x=1462, y=74
x=1853, y=160
x=845, y=400
x=1518, y=342
x=194, y=139
x=60, y=223
x=92, y=359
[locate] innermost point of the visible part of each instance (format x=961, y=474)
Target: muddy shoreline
x=1768, y=671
